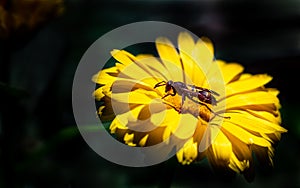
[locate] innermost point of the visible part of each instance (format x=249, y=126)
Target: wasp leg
x=166, y=95
x=174, y=91
x=182, y=99
x=172, y=94
x=226, y=117
x=167, y=103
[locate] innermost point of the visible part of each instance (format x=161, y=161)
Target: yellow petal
x=137, y=97
x=136, y=72
x=253, y=123
x=244, y=76
x=203, y=56
x=116, y=124
x=100, y=110
x=146, y=118
x=129, y=115
x=230, y=71
x=186, y=43
x=170, y=58
x=128, y=139
x=238, y=165
x=193, y=72
x=208, y=44
x=265, y=115
x=107, y=113
x=167, y=51
x=121, y=85
x=188, y=153
x=156, y=136
x=123, y=56
x=247, y=84
x=186, y=127
x=220, y=150
x=144, y=56
x=154, y=111
x=251, y=98
x=214, y=79
x=98, y=93
x=273, y=91
x=144, y=140
x=239, y=148
x=243, y=135
x=200, y=130
x=106, y=76
x=137, y=68
x=154, y=68
x=270, y=108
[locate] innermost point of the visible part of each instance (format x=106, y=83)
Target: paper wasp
x=204, y=96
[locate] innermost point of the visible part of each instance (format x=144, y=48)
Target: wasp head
x=169, y=85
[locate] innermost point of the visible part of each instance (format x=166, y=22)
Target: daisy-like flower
x=220, y=112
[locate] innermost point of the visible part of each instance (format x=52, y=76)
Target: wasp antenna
x=162, y=83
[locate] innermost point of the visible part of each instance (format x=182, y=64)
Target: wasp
x=204, y=95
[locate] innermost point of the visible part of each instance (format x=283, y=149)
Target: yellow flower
x=19, y=16
x=145, y=110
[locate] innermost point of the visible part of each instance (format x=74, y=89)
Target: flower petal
x=137, y=72
x=239, y=148
x=220, y=150
x=202, y=56
x=170, y=57
x=188, y=153
x=247, y=84
x=238, y=165
x=155, y=68
x=128, y=139
x=265, y=115
x=105, y=76
x=167, y=51
x=122, y=85
x=253, y=123
x=129, y=115
x=143, y=141
x=123, y=57
x=186, y=46
x=208, y=44
x=251, y=98
x=137, y=97
x=186, y=43
x=186, y=127
x=230, y=70
x=116, y=124
x=98, y=94
x=243, y=135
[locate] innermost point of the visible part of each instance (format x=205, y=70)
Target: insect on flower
x=205, y=96
x=194, y=88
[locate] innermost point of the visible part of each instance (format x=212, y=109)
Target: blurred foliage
x=40, y=143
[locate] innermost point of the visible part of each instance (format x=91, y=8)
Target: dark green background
x=40, y=144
